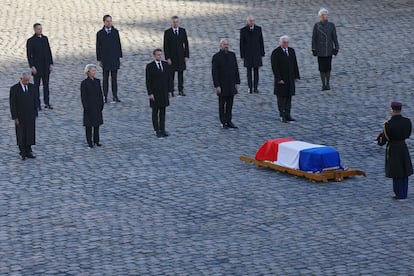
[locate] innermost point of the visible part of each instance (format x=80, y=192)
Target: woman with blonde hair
x=93, y=103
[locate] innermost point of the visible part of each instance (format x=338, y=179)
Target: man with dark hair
x=398, y=164
x=159, y=87
x=23, y=108
x=108, y=54
x=176, y=51
x=252, y=51
x=40, y=61
x=226, y=80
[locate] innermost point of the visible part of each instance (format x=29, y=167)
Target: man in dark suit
x=40, y=61
x=23, y=108
x=398, y=164
x=252, y=51
x=108, y=54
x=226, y=78
x=159, y=87
x=286, y=73
x=176, y=51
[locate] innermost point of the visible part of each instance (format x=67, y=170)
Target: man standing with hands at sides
x=108, y=54
x=252, y=51
x=40, y=61
x=23, y=108
x=176, y=52
x=226, y=78
x=159, y=87
x=398, y=164
x=286, y=73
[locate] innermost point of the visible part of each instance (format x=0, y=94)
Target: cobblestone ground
x=186, y=205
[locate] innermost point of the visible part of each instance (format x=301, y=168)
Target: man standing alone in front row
x=159, y=88
x=226, y=80
x=252, y=51
x=286, y=73
x=40, y=61
x=108, y=54
x=23, y=108
x=176, y=52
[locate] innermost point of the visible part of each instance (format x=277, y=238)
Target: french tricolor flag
x=299, y=155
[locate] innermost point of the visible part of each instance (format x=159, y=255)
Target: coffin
x=268, y=151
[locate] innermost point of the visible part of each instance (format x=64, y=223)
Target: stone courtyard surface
x=186, y=205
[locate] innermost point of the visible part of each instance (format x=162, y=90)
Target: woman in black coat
x=92, y=101
x=324, y=45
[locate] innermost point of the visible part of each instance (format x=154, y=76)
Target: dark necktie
x=286, y=52
x=176, y=32
x=159, y=66
x=25, y=89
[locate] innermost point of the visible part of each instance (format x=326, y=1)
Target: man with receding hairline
x=23, y=109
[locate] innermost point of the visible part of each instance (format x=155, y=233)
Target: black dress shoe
x=22, y=157
x=98, y=144
x=249, y=91
x=90, y=145
x=48, y=106
x=224, y=126
x=159, y=134
x=323, y=88
x=256, y=91
x=165, y=134
x=181, y=93
x=117, y=100
x=327, y=87
x=30, y=155
x=283, y=119
x=289, y=118
x=231, y=125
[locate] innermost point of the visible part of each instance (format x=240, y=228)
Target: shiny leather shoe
x=117, y=100
x=98, y=144
x=48, y=106
x=165, y=134
x=231, y=125
x=90, y=145
x=289, y=118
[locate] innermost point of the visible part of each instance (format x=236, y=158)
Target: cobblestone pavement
x=186, y=205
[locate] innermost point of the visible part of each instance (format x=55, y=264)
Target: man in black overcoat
x=23, y=108
x=159, y=87
x=286, y=73
x=176, y=51
x=398, y=164
x=108, y=54
x=40, y=61
x=226, y=79
x=252, y=51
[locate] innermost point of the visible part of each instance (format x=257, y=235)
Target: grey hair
x=88, y=67
x=322, y=11
x=284, y=37
x=224, y=40
x=25, y=74
x=250, y=17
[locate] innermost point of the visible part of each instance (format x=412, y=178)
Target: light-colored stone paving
x=186, y=205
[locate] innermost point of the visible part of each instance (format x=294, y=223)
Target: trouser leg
x=249, y=78
x=96, y=134
x=88, y=131
x=399, y=187
x=162, y=118
x=256, y=78
x=328, y=77
x=404, y=188
x=229, y=108
x=288, y=105
x=323, y=79
x=105, y=83
x=281, y=104
x=21, y=139
x=36, y=80
x=222, y=102
x=155, y=123
x=180, y=81
x=45, y=81
x=172, y=79
x=114, y=83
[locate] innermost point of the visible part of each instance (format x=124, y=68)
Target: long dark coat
x=159, y=83
x=108, y=49
x=176, y=48
x=252, y=46
x=23, y=106
x=225, y=72
x=39, y=54
x=397, y=160
x=92, y=101
x=284, y=68
x=324, y=39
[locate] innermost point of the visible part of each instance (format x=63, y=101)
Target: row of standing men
x=160, y=82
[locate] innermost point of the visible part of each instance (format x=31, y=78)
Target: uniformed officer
x=398, y=164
